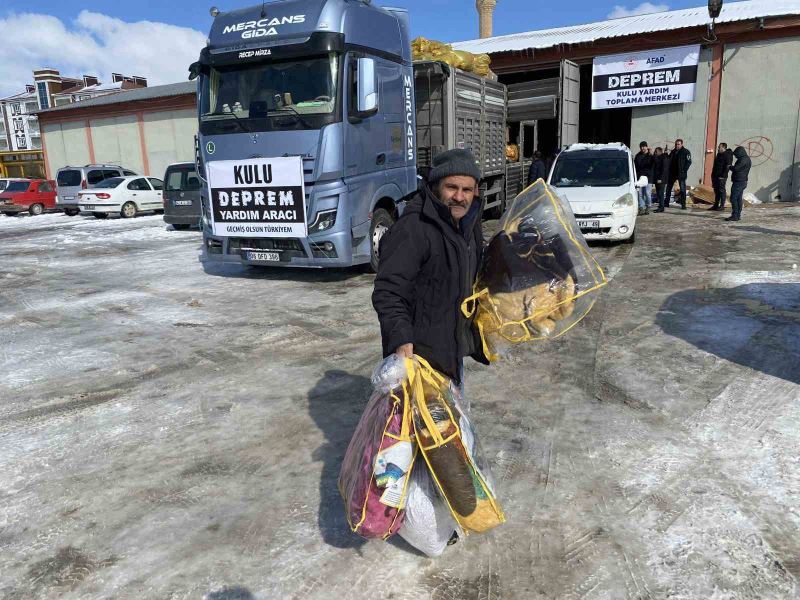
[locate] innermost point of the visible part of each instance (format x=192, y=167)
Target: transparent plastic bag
x=375, y=472
x=447, y=441
x=428, y=524
x=538, y=278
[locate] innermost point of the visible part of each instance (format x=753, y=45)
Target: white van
x=599, y=182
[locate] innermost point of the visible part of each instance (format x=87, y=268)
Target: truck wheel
x=71, y=212
x=128, y=210
x=36, y=209
x=100, y=215
x=381, y=222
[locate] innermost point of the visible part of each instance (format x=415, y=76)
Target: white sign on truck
x=665, y=76
x=258, y=197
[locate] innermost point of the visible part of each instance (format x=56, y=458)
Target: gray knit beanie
x=454, y=162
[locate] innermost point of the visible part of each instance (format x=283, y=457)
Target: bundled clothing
x=719, y=177
x=427, y=268
x=740, y=172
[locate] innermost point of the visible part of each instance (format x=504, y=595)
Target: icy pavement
x=172, y=432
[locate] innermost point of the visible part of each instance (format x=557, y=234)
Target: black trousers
x=737, y=190
x=682, y=186
x=720, y=194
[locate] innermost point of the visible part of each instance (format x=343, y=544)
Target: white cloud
x=643, y=9
x=94, y=44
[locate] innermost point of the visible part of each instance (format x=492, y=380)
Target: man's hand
x=405, y=351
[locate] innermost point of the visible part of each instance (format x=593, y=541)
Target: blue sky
x=158, y=40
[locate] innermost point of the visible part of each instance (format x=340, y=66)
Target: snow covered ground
x=174, y=431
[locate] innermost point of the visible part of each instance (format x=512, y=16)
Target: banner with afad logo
x=666, y=76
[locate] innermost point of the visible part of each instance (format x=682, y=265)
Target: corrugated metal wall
x=659, y=125
x=65, y=144
x=168, y=138
x=759, y=109
x=116, y=142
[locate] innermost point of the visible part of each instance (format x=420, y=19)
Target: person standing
x=679, y=162
x=741, y=171
x=719, y=175
x=429, y=260
x=537, y=170
x=661, y=174
x=645, y=167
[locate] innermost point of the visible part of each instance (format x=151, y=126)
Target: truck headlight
x=324, y=220
x=623, y=202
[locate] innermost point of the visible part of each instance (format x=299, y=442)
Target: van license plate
x=589, y=224
x=69, y=197
x=268, y=256
x=183, y=202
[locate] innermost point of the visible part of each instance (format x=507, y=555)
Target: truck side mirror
x=366, y=88
x=194, y=70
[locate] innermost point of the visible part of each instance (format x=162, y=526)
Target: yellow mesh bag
x=538, y=278
x=425, y=49
x=447, y=440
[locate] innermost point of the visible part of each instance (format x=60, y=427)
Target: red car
x=32, y=195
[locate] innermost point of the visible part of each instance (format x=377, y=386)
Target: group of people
x=663, y=169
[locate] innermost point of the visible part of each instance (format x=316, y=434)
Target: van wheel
x=381, y=222
x=128, y=210
x=100, y=215
x=71, y=212
x=36, y=209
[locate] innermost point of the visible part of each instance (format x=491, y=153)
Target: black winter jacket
x=427, y=268
x=661, y=168
x=536, y=171
x=741, y=168
x=645, y=165
x=722, y=164
x=680, y=161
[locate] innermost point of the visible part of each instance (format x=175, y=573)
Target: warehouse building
x=142, y=129
x=615, y=80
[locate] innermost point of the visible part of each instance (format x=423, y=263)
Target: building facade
x=144, y=130
x=746, y=91
x=20, y=134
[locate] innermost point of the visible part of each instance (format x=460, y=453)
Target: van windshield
x=592, y=169
x=69, y=178
x=291, y=94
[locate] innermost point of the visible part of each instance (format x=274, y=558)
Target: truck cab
x=327, y=84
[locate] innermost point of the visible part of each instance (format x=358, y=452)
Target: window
x=17, y=186
x=128, y=173
x=139, y=185
x=95, y=176
x=183, y=179
x=45, y=187
x=70, y=177
x=289, y=94
x=156, y=183
x=109, y=183
x=107, y=173
x=175, y=180
x=44, y=99
x=601, y=168
x=192, y=182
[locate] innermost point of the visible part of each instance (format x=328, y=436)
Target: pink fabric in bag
x=375, y=472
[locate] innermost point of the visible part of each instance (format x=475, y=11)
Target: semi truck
x=314, y=123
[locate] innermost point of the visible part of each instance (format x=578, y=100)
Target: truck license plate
x=589, y=224
x=183, y=202
x=268, y=256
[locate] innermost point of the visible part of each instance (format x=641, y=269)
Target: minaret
x=485, y=10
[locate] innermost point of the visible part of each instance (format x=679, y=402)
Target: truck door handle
x=381, y=158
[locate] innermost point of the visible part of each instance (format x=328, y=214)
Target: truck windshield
x=292, y=94
x=606, y=169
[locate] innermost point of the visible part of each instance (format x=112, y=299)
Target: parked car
x=126, y=196
x=599, y=181
x=182, y=207
x=28, y=195
x=72, y=180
